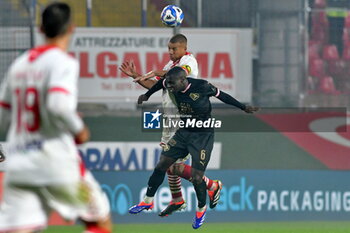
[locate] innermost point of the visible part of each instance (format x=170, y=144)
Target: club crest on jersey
x=187, y=68
x=194, y=96
x=151, y=120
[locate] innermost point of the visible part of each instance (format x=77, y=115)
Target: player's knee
x=178, y=168
x=164, y=163
x=197, y=178
x=161, y=168
x=170, y=170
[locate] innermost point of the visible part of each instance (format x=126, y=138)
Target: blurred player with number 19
x=38, y=101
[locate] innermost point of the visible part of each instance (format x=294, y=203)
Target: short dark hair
x=178, y=38
x=55, y=19
x=176, y=73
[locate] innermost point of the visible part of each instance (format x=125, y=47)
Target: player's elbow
x=59, y=104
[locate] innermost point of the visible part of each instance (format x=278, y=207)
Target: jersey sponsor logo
x=194, y=96
x=151, y=120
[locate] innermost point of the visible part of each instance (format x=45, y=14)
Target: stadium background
x=274, y=166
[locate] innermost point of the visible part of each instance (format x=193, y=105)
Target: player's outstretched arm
x=228, y=99
x=156, y=87
x=129, y=69
x=251, y=109
x=151, y=74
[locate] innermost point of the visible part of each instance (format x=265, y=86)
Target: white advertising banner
x=127, y=156
x=224, y=58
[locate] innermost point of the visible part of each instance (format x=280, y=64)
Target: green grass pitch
x=248, y=227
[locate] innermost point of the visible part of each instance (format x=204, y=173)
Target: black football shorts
x=198, y=144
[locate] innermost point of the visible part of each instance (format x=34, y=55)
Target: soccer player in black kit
x=192, y=99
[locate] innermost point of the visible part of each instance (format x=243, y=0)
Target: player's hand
x=251, y=109
x=129, y=69
x=142, y=98
x=83, y=136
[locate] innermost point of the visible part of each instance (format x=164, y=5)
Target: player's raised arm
x=129, y=69
x=62, y=98
x=151, y=74
x=228, y=99
x=156, y=87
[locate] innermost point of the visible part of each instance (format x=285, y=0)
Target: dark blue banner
x=247, y=195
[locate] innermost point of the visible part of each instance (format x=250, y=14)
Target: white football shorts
x=29, y=207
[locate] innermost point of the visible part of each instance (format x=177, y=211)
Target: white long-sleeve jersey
x=38, y=100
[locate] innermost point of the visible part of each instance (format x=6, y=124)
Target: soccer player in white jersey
x=38, y=101
x=177, y=48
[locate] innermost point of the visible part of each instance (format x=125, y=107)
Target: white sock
x=148, y=200
x=201, y=209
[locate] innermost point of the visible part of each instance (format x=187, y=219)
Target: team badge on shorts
x=151, y=120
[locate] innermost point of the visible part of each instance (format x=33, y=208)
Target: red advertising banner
x=331, y=145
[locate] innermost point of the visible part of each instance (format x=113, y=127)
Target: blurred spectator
x=336, y=12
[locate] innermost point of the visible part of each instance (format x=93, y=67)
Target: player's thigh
x=22, y=209
x=200, y=148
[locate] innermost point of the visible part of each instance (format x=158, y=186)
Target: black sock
x=201, y=192
x=154, y=182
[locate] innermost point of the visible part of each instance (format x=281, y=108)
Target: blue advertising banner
x=127, y=156
x=247, y=195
